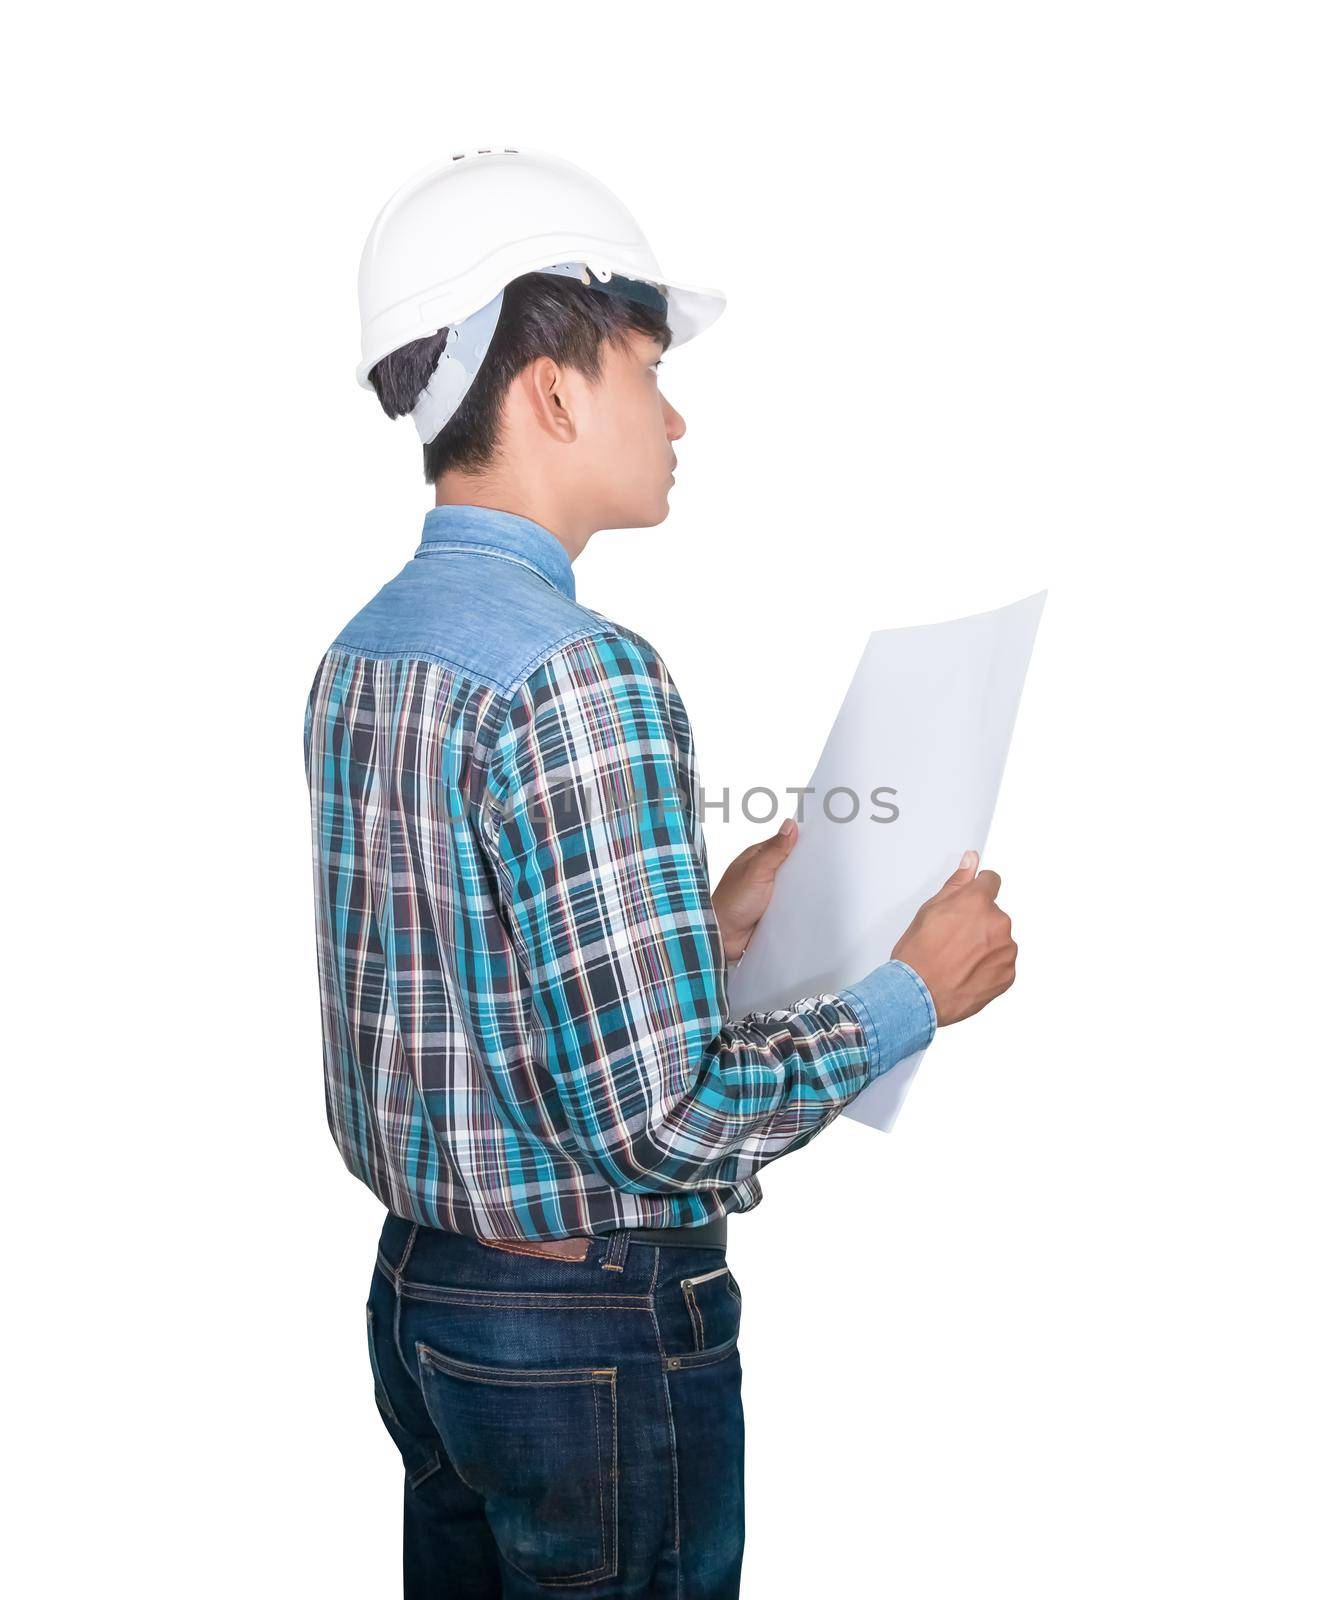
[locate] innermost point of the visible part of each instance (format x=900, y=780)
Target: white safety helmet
x=450, y=240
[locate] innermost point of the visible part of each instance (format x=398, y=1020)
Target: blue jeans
x=564, y=1425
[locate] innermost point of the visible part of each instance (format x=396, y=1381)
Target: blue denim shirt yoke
x=452, y=610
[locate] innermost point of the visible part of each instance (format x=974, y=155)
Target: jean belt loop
x=617, y=1253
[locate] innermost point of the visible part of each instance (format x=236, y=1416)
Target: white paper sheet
x=929, y=714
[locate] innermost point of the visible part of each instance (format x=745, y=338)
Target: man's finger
x=989, y=883
x=963, y=873
x=770, y=854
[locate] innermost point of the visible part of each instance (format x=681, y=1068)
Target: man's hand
x=960, y=943
x=744, y=891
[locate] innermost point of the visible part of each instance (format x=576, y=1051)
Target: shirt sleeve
x=590, y=813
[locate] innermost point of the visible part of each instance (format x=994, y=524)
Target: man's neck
x=459, y=489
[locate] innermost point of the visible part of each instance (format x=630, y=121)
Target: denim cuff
x=896, y=1011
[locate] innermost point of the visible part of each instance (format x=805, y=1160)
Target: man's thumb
x=963, y=873
x=783, y=841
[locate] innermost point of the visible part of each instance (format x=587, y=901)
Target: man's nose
x=675, y=427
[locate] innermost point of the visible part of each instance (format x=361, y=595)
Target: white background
x=1020, y=295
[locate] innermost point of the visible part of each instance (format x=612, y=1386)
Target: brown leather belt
x=710, y=1235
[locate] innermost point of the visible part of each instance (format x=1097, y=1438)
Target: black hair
x=542, y=315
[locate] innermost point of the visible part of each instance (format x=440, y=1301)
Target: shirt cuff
x=896, y=1011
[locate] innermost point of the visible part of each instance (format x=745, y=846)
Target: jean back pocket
x=540, y=1446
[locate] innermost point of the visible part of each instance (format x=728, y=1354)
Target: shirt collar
x=499, y=533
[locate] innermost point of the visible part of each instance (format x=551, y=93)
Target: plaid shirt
x=522, y=979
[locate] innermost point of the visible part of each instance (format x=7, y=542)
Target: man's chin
x=647, y=521
x=646, y=515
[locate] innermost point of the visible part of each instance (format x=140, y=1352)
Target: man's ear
x=546, y=388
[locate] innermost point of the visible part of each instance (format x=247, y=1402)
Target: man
x=527, y=1052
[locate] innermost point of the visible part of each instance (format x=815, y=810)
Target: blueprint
x=906, y=783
